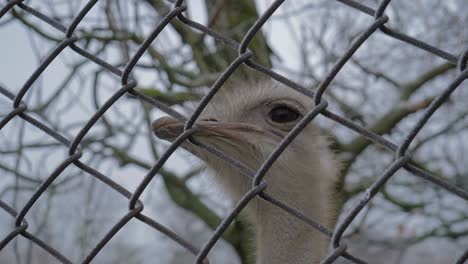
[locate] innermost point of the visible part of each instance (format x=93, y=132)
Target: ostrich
x=247, y=120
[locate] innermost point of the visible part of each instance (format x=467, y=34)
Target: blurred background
x=384, y=87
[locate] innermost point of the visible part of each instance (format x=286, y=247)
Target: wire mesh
x=338, y=247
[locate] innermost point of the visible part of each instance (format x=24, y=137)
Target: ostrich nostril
x=211, y=119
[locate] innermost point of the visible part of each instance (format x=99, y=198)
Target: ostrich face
x=246, y=121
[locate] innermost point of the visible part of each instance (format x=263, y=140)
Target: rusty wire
x=338, y=246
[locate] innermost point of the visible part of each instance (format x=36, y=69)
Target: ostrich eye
x=283, y=114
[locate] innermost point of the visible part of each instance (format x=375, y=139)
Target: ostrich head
x=247, y=120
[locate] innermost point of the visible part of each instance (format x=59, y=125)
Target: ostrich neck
x=281, y=237
x=302, y=183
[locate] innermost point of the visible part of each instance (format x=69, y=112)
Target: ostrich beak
x=168, y=128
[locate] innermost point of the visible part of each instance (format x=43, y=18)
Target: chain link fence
x=338, y=248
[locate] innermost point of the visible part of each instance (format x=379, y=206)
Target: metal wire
x=338, y=246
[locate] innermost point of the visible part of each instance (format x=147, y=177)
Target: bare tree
x=384, y=87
